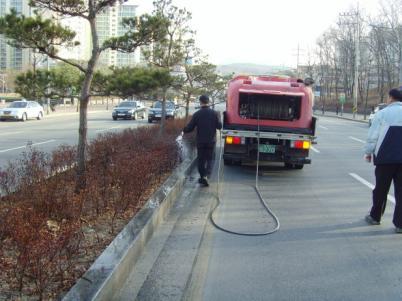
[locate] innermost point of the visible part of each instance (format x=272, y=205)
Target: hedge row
x=49, y=234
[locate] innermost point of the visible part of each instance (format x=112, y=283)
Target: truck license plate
x=266, y=148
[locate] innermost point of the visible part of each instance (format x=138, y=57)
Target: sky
x=264, y=32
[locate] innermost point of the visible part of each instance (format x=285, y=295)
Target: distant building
x=10, y=57
x=109, y=24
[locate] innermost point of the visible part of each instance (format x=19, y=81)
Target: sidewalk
x=72, y=110
x=348, y=116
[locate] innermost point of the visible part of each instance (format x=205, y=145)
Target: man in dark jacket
x=207, y=122
x=384, y=145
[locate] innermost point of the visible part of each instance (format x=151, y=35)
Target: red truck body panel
x=280, y=90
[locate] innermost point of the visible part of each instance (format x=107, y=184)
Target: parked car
x=379, y=107
x=22, y=110
x=155, y=113
x=132, y=109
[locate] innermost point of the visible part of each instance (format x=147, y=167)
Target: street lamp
x=47, y=88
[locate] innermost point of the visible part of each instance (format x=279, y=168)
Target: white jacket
x=384, y=138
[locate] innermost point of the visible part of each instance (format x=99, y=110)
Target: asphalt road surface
x=324, y=250
x=53, y=131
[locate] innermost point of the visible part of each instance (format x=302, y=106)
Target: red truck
x=275, y=109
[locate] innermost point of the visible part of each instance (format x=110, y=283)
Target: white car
x=22, y=110
x=379, y=107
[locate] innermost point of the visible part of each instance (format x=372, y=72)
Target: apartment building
x=109, y=24
x=10, y=57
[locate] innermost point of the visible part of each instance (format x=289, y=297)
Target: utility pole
x=356, y=23
x=298, y=53
x=3, y=78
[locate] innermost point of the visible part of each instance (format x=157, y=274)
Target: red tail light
x=236, y=140
x=300, y=144
x=233, y=140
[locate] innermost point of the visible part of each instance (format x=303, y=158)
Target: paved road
x=323, y=251
x=53, y=131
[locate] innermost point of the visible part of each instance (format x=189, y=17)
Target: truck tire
x=227, y=162
x=294, y=166
x=288, y=165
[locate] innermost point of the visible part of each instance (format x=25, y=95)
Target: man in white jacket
x=384, y=147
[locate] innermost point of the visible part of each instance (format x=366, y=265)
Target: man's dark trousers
x=384, y=175
x=204, y=153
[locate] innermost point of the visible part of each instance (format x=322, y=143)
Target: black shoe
x=398, y=230
x=371, y=221
x=203, y=181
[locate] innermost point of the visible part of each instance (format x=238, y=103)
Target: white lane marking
x=104, y=130
x=369, y=185
x=19, y=147
x=357, y=139
x=315, y=150
x=10, y=133
x=323, y=127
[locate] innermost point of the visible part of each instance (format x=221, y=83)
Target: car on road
x=22, y=110
x=379, y=107
x=155, y=113
x=129, y=109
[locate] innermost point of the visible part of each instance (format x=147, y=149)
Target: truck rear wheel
x=227, y=161
x=294, y=166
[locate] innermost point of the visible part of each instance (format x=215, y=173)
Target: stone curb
x=108, y=273
x=57, y=114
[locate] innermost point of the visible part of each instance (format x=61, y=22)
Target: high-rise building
x=11, y=57
x=82, y=29
x=109, y=24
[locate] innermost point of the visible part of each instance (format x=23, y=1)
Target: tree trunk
x=82, y=142
x=163, y=115
x=84, y=99
x=188, y=105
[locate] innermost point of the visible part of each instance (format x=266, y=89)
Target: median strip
x=369, y=185
x=112, y=128
x=33, y=144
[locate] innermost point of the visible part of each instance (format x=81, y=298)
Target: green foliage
x=32, y=85
x=101, y=84
x=58, y=82
x=127, y=82
x=140, y=31
x=35, y=32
